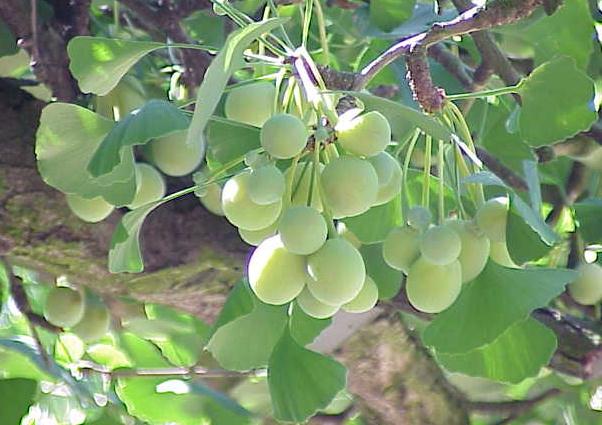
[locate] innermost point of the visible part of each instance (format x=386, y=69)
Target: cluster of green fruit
x=82, y=315
x=279, y=203
x=438, y=259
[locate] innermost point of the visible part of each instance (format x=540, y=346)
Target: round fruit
x=440, y=245
x=491, y=218
x=337, y=272
x=302, y=183
x=251, y=104
x=302, y=230
x=212, y=199
x=475, y=249
x=365, y=135
x=401, y=248
x=130, y=95
x=498, y=252
x=389, y=177
x=587, y=288
x=241, y=211
x=174, y=157
x=91, y=210
x=150, y=186
x=349, y=185
x=276, y=275
x=283, y=136
x=365, y=300
x=432, y=288
x=255, y=237
x=266, y=185
x=313, y=307
x=419, y=218
x=64, y=307
x=95, y=323
x=347, y=234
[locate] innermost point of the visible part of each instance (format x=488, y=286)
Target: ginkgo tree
x=435, y=164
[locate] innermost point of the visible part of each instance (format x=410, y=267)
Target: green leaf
x=66, y=140
x=588, y=214
x=154, y=119
x=16, y=395
x=524, y=242
x=519, y=353
x=98, y=63
x=142, y=353
x=374, y=225
x=228, y=140
x=228, y=60
x=534, y=220
x=109, y=356
x=386, y=278
x=388, y=14
x=498, y=298
x=566, y=109
x=240, y=302
x=302, y=381
x=246, y=342
x=305, y=328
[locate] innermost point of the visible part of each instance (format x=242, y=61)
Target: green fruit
x=255, y=237
x=401, y=248
x=498, y=252
x=313, y=307
x=266, y=185
x=440, y=245
x=91, y=210
x=475, y=249
x=419, y=218
x=337, y=272
x=365, y=300
x=365, y=135
x=432, y=288
x=212, y=199
x=174, y=157
x=276, y=276
x=587, y=288
x=389, y=177
x=251, y=104
x=64, y=307
x=491, y=218
x=347, y=234
x=349, y=186
x=302, y=230
x=241, y=211
x=150, y=186
x=283, y=136
x=95, y=323
x=302, y=183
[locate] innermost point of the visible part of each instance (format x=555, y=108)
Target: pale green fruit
x=212, y=199
x=419, y=217
x=283, y=136
x=587, y=288
x=251, y=104
x=475, y=248
x=150, y=186
x=365, y=135
x=349, y=185
x=241, y=211
x=337, y=272
x=491, y=218
x=276, y=276
x=432, y=288
x=389, y=177
x=131, y=95
x=313, y=307
x=365, y=300
x=302, y=183
x=347, y=234
x=64, y=307
x=91, y=210
x=303, y=230
x=266, y=185
x=255, y=237
x=95, y=323
x=401, y=248
x=498, y=252
x=174, y=157
x=440, y=245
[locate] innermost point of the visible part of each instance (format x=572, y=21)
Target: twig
x=496, y=167
x=87, y=366
x=515, y=407
x=452, y=64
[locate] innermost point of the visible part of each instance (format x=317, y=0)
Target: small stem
x=315, y=178
x=290, y=190
x=441, y=185
x=404, y=176
x=116, y=13
x=426, y=182
x=306, y=22
x=485, y=93
x=322, y=30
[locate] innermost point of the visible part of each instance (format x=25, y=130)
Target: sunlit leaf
x=16, y=396
x=388, y=14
